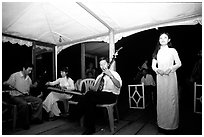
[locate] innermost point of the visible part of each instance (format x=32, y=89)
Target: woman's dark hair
x=65, y=69
x=154, y=55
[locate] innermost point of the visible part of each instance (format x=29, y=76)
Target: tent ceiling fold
x=77, y=22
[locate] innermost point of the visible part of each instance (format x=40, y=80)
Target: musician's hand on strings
x=7, y=86
x=34, y=85
x=108, y=73
x=63, y=87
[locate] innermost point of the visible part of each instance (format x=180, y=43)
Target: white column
x=111, y=49
x=55, y=62
x=34, y=61
x=83, y=60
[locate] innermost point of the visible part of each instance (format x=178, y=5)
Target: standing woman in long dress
x=165, y=62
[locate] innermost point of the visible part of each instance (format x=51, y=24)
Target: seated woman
x=50, y=103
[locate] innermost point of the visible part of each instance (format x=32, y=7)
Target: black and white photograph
x=101, y=67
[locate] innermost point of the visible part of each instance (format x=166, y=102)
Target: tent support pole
x=55, y=63
x=83, y=61
x=34, y=61
x=111, y=48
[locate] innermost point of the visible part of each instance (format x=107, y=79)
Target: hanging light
x=60, y=39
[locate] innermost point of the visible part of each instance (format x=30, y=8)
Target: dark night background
x=136, y=49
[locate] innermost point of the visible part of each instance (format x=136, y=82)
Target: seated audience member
x=106, y=94
x=91, y=72
x=144, y=65
x=21, y=83
x=50, y=103
x=139, y=74
x=150, y=86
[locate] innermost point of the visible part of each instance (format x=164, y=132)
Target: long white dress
x=167, y=88
x=50, y=103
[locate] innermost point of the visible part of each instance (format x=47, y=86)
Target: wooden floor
x=132, y=122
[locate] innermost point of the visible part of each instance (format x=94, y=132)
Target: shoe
x=64, y=115
x=88, y=132
x=53, y=118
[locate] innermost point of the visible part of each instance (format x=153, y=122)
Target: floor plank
x=133, y=126
x=132, y=122
x=149, y=129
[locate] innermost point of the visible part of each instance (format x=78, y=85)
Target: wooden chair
x=9, y=111
x=9, y=114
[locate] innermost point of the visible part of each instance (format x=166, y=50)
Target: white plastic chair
x=111, y=108
x=84, y=86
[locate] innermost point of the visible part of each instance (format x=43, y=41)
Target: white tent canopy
x=68, y=23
